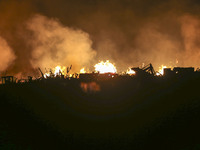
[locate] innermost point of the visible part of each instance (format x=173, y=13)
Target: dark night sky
x=127, y=32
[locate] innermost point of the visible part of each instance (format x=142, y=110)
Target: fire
x=161, y=70
x=58, y=70
x=46, y=75
x=130, y=71
x=82, y=70
x=105, y=67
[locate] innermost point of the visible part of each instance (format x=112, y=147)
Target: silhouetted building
x=168, y=72
x=183, y=70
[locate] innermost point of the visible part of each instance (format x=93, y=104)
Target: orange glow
x=105, y=67
x=161, y=70
x=46, y=75
x=130, y=71
x=82, y=70
x=90, y=87
x=58, y=70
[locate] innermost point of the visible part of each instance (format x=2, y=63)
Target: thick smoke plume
x=7, y=55
x=128, y=33
x=54, y=44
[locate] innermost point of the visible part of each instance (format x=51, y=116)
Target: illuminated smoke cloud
x=7, y=56
x=190, y=27
x=128, y=33
x=54, y=44
x=156, y=47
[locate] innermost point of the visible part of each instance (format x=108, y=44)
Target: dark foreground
x=126, y=114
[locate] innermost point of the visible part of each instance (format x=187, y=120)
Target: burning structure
x=63, y=108
x=104, y=71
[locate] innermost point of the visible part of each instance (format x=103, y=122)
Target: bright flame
x=46, y=75
x=58, y=70
x=82, y=70
x=161, y=70
x=130, y=71
x=105, y=67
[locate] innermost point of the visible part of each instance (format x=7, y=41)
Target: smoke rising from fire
x=128, y=33
x=7, y=55
x=54, y=44
x=181, y=48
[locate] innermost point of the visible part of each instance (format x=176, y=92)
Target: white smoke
x=7, y=55
x=155, y=47
x=54, y=44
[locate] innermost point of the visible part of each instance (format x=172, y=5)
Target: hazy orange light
x=130, y=71
x=90, y=87
x=82, y=70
